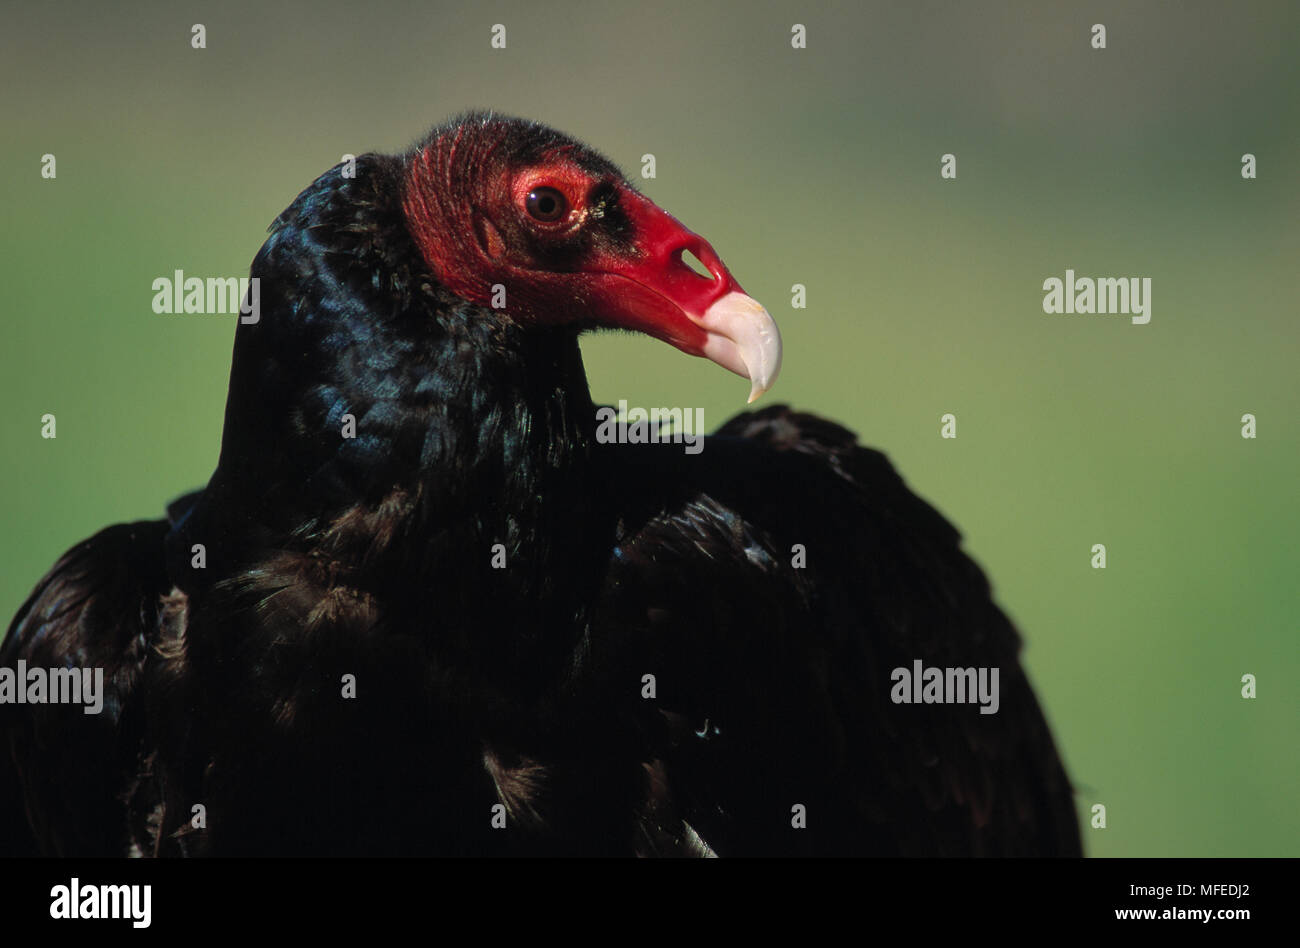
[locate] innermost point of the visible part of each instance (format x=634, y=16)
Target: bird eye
x=546, y=204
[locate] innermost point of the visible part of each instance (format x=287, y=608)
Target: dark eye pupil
x=546, y=204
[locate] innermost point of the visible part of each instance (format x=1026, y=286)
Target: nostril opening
x=695, y=264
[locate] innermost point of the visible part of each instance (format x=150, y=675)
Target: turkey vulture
x=422, y=607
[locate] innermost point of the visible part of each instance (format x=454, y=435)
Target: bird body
x=474, y=627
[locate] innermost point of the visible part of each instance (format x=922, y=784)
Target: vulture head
x=516, y=216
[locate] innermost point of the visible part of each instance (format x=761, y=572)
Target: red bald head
x=495, y=202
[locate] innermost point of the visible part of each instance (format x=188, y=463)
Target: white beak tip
x=744, y=338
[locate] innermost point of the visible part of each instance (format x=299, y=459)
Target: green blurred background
x=817, y=166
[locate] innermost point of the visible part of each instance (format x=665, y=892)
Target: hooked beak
x=704, y=316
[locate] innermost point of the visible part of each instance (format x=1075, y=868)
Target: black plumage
x=522, y=686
